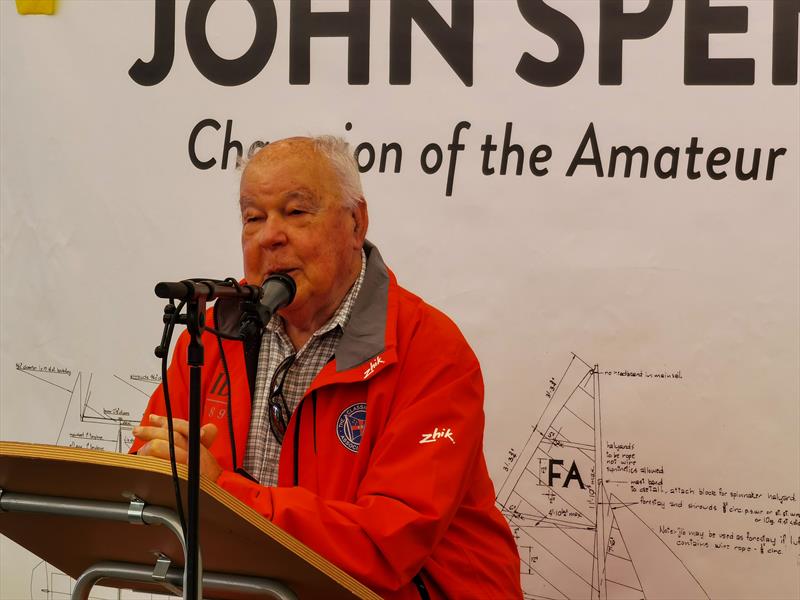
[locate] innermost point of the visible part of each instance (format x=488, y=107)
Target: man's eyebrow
x=300, y=194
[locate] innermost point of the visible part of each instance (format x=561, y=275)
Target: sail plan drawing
x=577, y=540
x=86, y=419
x=85, y=422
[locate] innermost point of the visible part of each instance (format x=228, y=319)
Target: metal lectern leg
x=137, y=512
x=114, y=570
x=213, y=583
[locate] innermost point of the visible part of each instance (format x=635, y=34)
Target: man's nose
x=273, y=232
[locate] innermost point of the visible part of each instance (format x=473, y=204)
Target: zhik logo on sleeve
x=429, y=438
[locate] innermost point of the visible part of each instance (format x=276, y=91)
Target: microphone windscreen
x=278, y=291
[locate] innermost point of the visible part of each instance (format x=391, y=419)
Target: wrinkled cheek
x=302, y=289
x=251, y=259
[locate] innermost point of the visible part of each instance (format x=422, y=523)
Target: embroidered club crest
x=350, y=426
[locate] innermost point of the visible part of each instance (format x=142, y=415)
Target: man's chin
x=295, y=307
x=291, y=315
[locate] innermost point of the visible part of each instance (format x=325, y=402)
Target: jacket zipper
x=296, y=460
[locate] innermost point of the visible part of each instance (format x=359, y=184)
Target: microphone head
x=278, y=290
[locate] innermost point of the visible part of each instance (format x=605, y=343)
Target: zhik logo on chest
x=373, y=364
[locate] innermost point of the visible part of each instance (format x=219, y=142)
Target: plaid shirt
x=263, y=451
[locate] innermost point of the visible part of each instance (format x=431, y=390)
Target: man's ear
x=360, y=221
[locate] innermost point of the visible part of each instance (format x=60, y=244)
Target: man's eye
x=252, y=219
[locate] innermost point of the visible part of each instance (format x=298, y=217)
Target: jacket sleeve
x=178, y=390
x=421, y=464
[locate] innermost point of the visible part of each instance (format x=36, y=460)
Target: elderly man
x=354, y=421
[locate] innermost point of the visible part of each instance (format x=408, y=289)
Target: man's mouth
x=283, y=270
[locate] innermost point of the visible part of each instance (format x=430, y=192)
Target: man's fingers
x=156, y=438
x=147, y=434
x=208, y=433
x=178, y=425
x=158, y=448
x=180, y=428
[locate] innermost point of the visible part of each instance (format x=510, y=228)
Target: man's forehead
x=296, y=155
x=298, y=146
x=294, y=160
x=296, y=172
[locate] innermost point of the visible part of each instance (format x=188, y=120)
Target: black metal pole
x=195, y=316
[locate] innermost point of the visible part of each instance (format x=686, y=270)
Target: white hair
x=344, y=164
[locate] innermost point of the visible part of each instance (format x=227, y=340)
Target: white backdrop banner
x=603, y=194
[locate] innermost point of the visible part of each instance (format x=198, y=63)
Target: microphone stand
x=258, y=304
x=195, y=293
x=194, y=319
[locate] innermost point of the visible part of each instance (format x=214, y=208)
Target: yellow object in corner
x=36, y=7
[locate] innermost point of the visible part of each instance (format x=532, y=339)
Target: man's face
x=294, y=222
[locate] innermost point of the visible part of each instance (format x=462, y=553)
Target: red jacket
x=382, y=468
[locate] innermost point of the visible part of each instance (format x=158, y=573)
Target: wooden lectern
x=92, y=514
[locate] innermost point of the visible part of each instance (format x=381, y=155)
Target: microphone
x=277, y=291
x=258, y=304
x=209, y=289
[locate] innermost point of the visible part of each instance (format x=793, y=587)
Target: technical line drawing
x=80, y=409
x=86, y=424
x=576, y=540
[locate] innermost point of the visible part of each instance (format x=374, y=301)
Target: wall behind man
x=678, y=277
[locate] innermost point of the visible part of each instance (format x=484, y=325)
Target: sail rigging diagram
x=85, y=421
x=577, y=539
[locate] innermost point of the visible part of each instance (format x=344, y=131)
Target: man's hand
x=156, y=438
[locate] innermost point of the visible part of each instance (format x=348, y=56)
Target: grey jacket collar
x=364, y=336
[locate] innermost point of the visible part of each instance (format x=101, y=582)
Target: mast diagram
x=577, y=540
